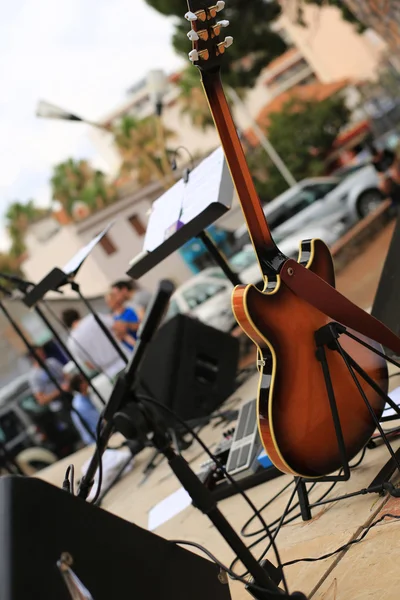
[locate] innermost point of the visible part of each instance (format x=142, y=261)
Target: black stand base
x=328, y=337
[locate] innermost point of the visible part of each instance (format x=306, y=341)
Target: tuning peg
x=193, y=55
x=190, y=16
x=220, y=5
x=192, y=35
x=223, y=23
x=228, y=41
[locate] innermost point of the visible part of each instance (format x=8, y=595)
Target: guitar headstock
x=206, y=33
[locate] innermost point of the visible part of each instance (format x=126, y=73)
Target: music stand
x=184, y=212
x=59, y=277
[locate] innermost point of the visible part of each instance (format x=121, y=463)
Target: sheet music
x=75, y=262
x=183, y=202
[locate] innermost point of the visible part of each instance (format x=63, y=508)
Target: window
x=173, y=310
x=137, y=224
x=201, y=292
x=301, y=66
x=301, y=200
x=243, y=259
x=107, y=244
x=320, y=190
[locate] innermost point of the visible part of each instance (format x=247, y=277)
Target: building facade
x=51, y=244
x=384, y=17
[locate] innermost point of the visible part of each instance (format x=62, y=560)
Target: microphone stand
x=24, y=286
x=135, y=420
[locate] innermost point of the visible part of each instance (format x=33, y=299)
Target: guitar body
x=294, y=416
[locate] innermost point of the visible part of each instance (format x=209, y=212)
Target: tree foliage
x=302, y=133
x=76, y=181
x=193, y=100
x=18, y=217
x=250, y=26
x=9, y=265
x=141, y=148
x=255, y=46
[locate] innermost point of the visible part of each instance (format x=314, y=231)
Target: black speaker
x=190, y=367
x=109, y=557
x=386, y=306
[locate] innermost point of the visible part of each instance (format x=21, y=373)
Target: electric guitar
x=299, y=298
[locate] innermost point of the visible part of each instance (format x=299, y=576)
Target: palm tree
x=76, y=181
x=193, y=100
x=142, y=149
x=18, y=217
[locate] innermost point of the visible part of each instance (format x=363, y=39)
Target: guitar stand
x=328, y=337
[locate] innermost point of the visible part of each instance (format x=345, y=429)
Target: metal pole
x=264, y=141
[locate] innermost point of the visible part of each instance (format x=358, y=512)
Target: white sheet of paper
x=187, y=201
x=395, y=396
x=168, y=508
x=74, y=263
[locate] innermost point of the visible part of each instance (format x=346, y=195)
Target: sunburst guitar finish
x=294, y=416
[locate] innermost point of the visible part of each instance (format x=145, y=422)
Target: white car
x=245, y=262
x=207, y=296
x=324, y=201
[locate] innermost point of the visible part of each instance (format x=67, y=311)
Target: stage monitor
x=190, y=367
x=41, y=526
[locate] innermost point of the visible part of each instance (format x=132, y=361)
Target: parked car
x=325, y=201
x=25, y=425
x=245, y=261
x=207, y=296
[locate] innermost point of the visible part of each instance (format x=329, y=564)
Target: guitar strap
x=322, y=296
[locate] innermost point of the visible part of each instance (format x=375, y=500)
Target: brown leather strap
x=314, y=290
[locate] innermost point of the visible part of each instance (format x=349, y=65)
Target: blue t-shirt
x=128, y=316
x=83, y=405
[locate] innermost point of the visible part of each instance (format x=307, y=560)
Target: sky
x=81, y=55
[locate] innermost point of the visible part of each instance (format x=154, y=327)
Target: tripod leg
x=371, y=382
x=374, y=350
x=304, y=501
x=321, y=356
x=369, y=407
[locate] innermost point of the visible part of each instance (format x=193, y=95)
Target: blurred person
x=126, y=321
x=82, y=405
x=57, y=423
x=42, y=386
x=129, y=293
x=387, y=164
x=89, y=344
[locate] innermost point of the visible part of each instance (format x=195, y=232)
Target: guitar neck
x=243, y=181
